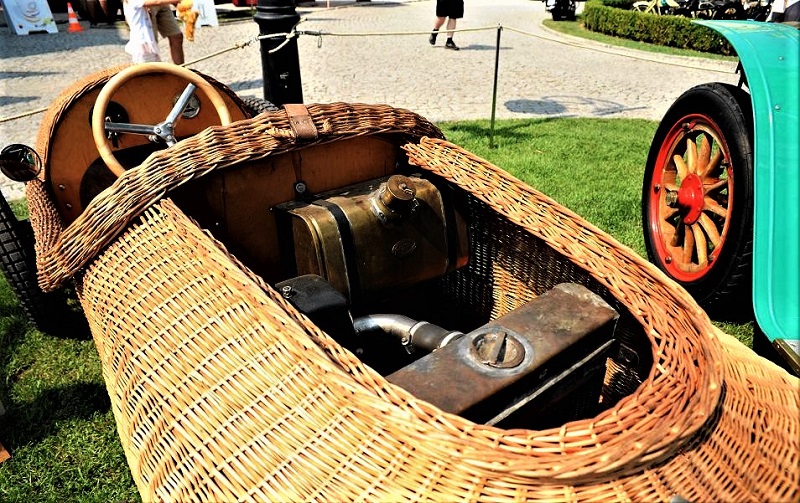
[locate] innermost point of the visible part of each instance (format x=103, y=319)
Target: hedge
x=672, y=31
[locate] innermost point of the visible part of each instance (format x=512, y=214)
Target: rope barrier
x=288, y=37
x=614, y=53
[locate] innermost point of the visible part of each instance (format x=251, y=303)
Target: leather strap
x=301, y=123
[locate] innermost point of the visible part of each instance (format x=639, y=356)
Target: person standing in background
x=450, y=11
x=163, y=20
x=142, y=45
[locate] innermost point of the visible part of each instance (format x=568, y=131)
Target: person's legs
x=451, y=25
x=176, y=48
x=436, y=25
x=168, y=27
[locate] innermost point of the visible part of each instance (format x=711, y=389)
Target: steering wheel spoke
x=122, y=127
x=164, y=130
x=180, y=105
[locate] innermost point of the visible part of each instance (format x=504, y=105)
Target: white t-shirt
x=142, y=45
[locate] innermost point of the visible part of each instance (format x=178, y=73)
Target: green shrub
x=619, y=4
x=671, y=31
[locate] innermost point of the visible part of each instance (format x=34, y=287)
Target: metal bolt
x=300, y=187
x=287, y=291
x=668, y=259
x=61, y=186
x=657, y=187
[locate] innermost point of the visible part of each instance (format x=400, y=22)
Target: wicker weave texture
x=222, y=391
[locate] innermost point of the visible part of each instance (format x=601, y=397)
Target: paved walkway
x=541, y=74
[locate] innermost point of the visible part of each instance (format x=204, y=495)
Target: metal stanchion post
x=281, y=69
x=494, y=88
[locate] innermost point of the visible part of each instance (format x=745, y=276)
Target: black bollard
x=281, y=69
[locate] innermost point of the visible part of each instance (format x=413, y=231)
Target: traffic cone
x=74, y=25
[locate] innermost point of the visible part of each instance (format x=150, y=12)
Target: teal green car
x=721, y=192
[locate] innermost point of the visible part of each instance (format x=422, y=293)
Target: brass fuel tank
x=374, y=238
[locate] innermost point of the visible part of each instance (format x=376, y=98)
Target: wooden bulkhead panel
x=147, y=99
x=237, y=203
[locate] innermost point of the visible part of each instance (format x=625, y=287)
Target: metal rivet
x=69, y=206
x=61, y=186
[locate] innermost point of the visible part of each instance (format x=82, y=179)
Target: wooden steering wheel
x=164, y=130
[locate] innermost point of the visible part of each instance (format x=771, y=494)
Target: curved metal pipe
x=419, y=334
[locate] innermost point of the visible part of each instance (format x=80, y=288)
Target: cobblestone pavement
x=541, y=73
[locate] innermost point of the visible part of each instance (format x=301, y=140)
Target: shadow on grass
x=30, y=422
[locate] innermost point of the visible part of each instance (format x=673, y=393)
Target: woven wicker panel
x=222, y=391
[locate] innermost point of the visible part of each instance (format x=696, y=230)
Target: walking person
x=450, y=11
x=143, y=45
x=164, y=23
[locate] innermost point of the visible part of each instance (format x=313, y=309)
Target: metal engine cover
x=375, y=238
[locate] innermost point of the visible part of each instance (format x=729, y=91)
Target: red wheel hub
x=690, y=198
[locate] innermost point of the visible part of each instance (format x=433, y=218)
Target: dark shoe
x=450, y=45
x=432, y=38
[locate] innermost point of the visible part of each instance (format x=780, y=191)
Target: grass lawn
x=58, y=424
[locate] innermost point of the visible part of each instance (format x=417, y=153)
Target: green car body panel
x=770, y=56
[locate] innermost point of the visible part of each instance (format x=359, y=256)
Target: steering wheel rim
x=118, y=80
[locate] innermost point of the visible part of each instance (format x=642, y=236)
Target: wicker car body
x=222, y=390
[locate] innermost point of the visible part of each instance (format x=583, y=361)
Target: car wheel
x=257, y=106
x=18, y=263
x=697, y=197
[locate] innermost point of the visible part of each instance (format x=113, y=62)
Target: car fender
x=769, y=54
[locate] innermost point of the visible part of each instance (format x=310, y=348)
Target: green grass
x=58, y=425
x=577, y=29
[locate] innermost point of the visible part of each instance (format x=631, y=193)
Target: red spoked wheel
x=697, y=197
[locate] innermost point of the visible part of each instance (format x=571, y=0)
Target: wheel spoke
x=714, y=207
x=711, y=229
x=683, y=169
x=703, y=156
x=701, y=245
x=668, y=212
x=712, y=165
x=716, y=185
x=688, y=248
x=691, y=156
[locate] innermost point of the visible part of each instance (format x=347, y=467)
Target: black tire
x=679, y=215
x=257, y=106
x=18, y=263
